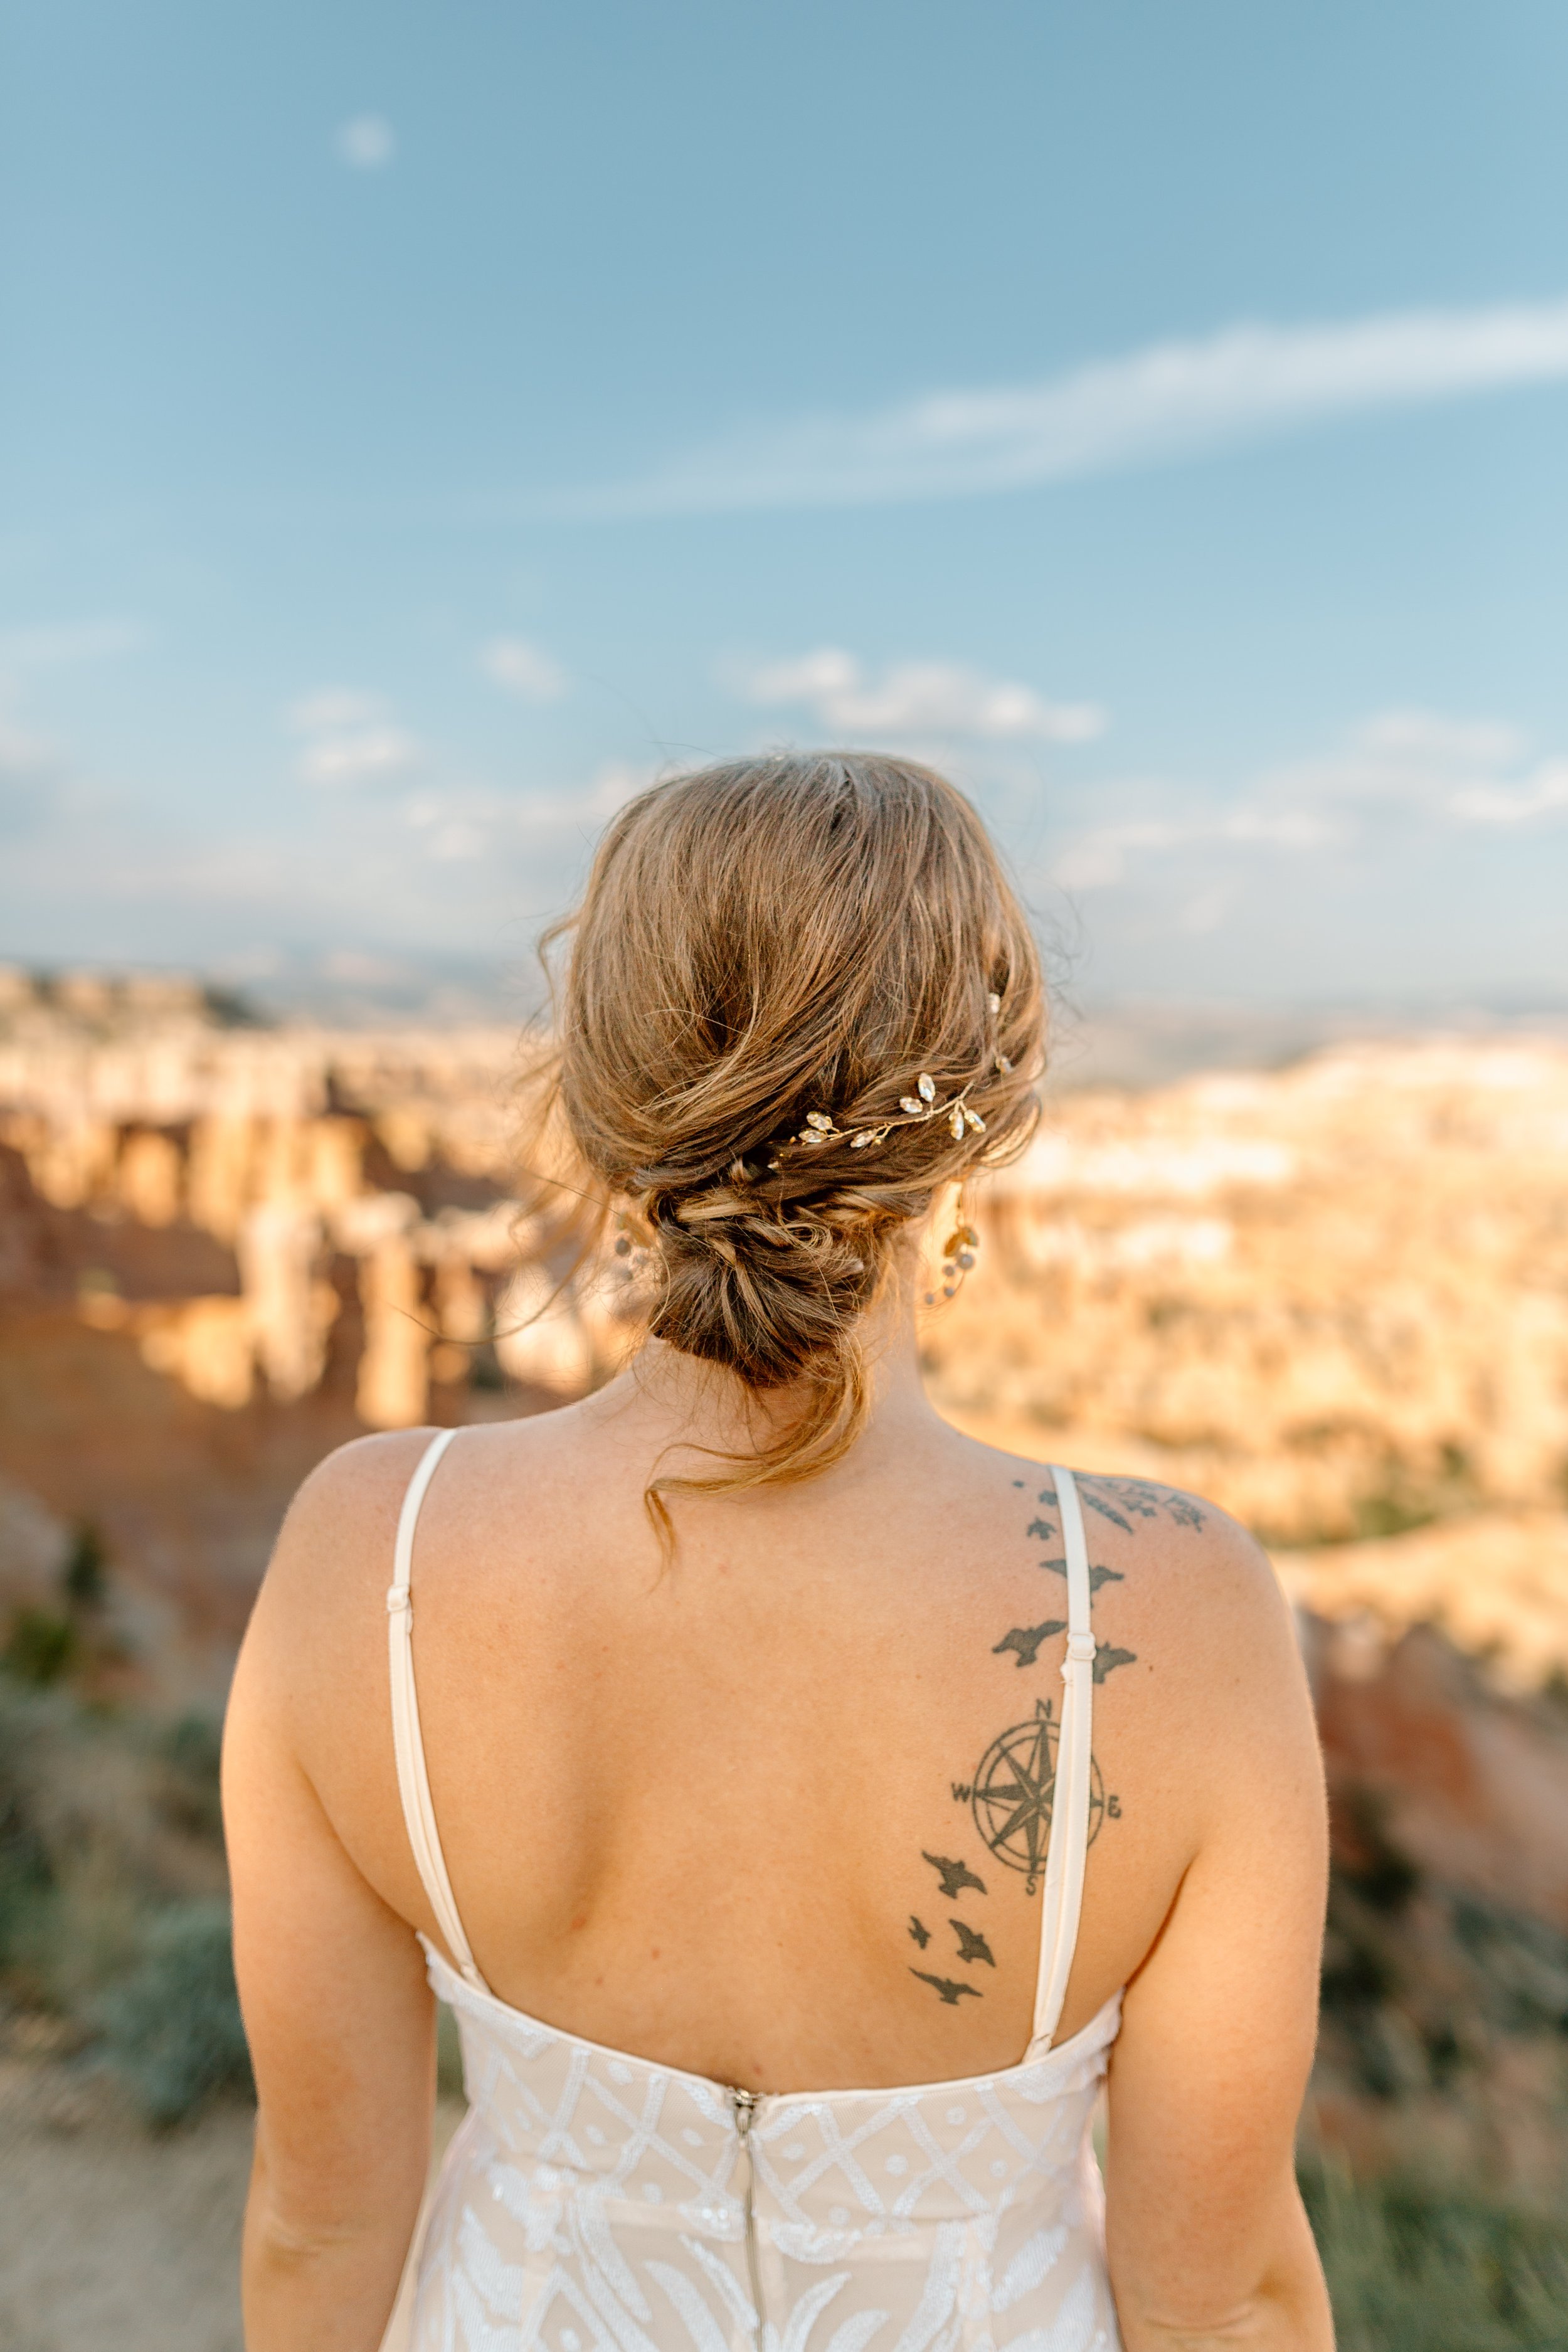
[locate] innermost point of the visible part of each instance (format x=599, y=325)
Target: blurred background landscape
x=422, y=430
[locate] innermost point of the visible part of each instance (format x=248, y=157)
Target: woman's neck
x=686, y=1411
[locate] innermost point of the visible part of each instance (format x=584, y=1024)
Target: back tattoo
x=1009, y=1796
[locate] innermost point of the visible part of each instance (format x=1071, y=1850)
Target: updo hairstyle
x=776, y=961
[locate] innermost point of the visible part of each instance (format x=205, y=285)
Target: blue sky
x=422, y=426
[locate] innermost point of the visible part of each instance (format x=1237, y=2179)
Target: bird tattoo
x=1041, y=1527
x=1097, y=1575
x=950, y=1992
x=954, y=1876
x=921, y=1933
x=971, y=1944
x=1106, y=1660
x=1026, y=1639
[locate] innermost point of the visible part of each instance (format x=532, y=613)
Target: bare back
x=777, y=1811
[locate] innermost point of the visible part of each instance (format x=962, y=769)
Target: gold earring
x=959, y=1252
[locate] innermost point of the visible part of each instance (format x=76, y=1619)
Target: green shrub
x=42, y=1647
x=85, y=1576
x=171, y=2025
x=1414, y=2266
x=191, y=1797
x=111, y=1914
x=45, y=1646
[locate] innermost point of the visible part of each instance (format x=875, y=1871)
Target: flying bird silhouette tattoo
x=945, y=1986
x=954, y=1876
x=971, y=1944
x=920, y=1934
x=1097, y=1575
x=1026, y=1639
x=1106, y=1660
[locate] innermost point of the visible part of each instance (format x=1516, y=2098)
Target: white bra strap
x=408, y=1745
x=1063, y=1899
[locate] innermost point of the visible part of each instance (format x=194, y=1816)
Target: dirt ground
x=111, y=2235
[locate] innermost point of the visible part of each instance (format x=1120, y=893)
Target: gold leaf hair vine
x=820, y=1127
x=918, y=1108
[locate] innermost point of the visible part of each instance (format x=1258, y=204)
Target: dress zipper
x=745, y=2104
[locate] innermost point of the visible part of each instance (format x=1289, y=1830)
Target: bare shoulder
x=1189, y=1599
x=335, y=1546
x=1185, y=1550
x=347, y=1508
x=332, y=1560
x=1180, y=1589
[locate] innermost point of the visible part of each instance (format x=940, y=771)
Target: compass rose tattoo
x=1013, y=1792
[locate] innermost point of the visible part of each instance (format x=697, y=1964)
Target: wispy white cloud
x=1541, y=794
x=1402, y=769
x=1168, y=401
x=454, y=867
x=1428, y=737
x=465, y=823
x=918, y=699
x=349, y=739
x=367, y=142
x=32, y=771
x=368, y=755
x=35, y=774
x=330, y=706
x=523, y=669
x=1101, y=857
x=56, y=645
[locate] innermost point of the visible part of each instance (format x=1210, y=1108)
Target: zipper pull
x=745, y=2105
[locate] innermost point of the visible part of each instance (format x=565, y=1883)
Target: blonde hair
x=760, y=941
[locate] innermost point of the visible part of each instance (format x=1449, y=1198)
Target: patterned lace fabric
x=593, y=2202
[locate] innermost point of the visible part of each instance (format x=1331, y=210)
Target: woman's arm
x=340, y=2018
x=1209, y=2243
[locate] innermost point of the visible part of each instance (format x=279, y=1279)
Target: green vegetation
x=42, y=1647
x=1417, y=2267
x=114, y=1914
x=171, y=2023
x=1443, y=2017
x=46, y=1645
x=1429, y=1991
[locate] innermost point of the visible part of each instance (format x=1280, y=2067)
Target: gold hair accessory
x=962, y=1120
x=918, y=1108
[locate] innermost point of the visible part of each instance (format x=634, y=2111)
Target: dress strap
x=408, y=1745
x=1063, y=1900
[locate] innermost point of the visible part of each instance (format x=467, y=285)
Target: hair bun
x=763, y=1289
